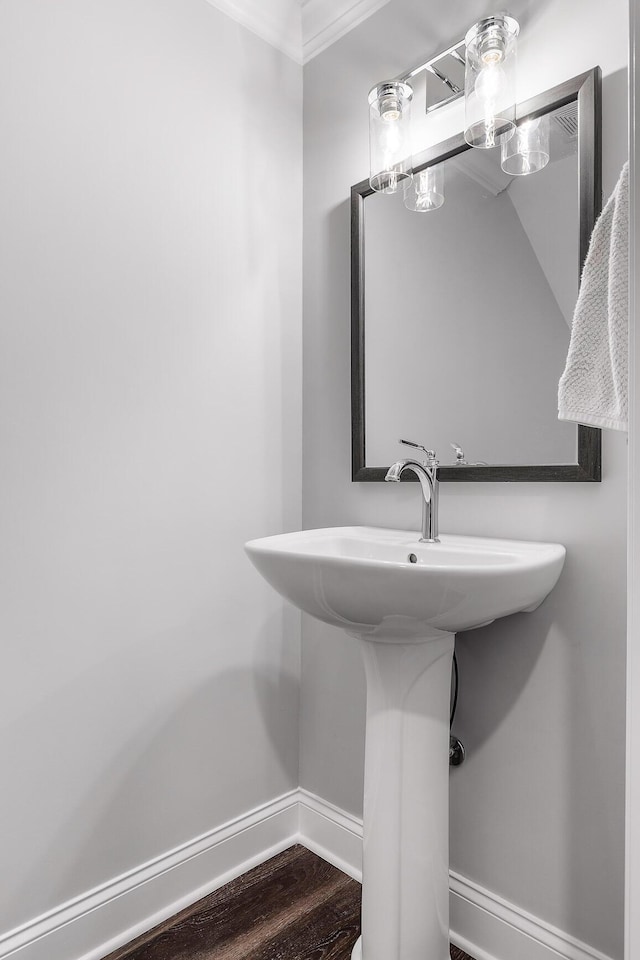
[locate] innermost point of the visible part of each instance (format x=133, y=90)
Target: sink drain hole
x=413, y=558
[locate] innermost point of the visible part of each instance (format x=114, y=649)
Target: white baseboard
x=490, y=928
x=483, y=924
x=334, y=835
x=101, y=920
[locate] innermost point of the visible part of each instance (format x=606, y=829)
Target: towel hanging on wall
x=593, y=387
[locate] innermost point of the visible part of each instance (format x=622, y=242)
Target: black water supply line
x=456, y=749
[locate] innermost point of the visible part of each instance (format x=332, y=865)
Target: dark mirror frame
x=586, y=91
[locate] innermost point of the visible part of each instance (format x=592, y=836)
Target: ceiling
x=301, y=28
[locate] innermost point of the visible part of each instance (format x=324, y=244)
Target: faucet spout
x=427, y=474
x=395, y=470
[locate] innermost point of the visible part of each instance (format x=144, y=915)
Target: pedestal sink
x=404, y=601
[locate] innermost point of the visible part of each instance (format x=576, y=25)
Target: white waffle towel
x=593, y=387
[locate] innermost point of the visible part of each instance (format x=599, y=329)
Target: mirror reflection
x=469, y=305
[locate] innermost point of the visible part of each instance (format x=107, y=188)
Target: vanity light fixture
x=425, y=192
x=482, y=67
x=390, y=102
x=390, y=135
x=527, y=151
x=490, y=81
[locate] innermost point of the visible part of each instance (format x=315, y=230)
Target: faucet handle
x=459, y=452
x=430, y=454
x=461, y=460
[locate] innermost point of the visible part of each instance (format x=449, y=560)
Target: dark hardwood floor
x=293, y=907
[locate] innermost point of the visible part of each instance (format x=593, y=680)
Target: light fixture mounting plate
x=444, y=75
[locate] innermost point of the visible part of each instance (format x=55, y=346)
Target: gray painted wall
x=537, y=811
x=150, y=340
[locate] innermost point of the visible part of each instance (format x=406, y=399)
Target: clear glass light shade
x=490, y=81
x=390, y=135
x=426, y=191
x=527, y=151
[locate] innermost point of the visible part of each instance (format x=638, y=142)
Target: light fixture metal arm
x=453, y=51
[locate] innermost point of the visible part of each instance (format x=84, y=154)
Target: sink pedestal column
x=405, y=889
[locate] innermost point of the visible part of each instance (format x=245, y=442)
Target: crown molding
x=300, y=28
x=276, y=21
x=325, y=21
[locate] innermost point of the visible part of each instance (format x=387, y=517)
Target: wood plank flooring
x=293, y=907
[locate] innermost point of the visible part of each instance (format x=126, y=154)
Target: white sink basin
x=374, y=581
x=410, y=598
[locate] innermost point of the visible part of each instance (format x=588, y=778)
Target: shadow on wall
x=487, y=694
x=545, y=668
x=190, y=765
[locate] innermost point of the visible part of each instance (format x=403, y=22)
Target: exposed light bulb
x=492, y=56
x=390, y=110
x=491, y=84
x=390, y=141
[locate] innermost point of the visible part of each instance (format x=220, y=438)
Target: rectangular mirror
x=461, y=316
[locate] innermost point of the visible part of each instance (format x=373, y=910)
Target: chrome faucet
x=427, y=474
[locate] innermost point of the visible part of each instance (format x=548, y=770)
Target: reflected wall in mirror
x=461, y=316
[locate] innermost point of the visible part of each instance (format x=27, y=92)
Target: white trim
x=334, y=835
x=280, y=24
x=105, y=918
x=632, y=820
x=504, y=930
x=300, y=28
x=120, y=910
x=325, y=21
